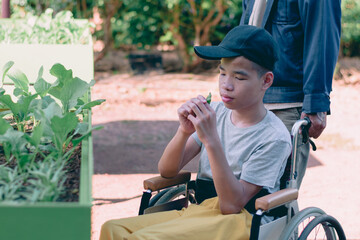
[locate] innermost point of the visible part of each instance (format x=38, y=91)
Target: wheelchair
x=162, y=194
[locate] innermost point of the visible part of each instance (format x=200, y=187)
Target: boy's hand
x=185, y=124
x=203, y=119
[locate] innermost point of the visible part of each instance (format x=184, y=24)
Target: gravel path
x=139, y=118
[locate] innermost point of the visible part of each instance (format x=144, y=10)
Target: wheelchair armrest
x=276, y=199
x=157, y=183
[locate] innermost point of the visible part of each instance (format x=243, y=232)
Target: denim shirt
x=308, y=35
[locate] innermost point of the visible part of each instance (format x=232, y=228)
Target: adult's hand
x=318, y=123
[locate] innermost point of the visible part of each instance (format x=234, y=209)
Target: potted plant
x=39, y=133
x=42, y=124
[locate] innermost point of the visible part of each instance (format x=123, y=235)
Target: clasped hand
x=197, y=115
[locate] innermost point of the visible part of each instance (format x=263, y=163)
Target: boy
x=243, y=146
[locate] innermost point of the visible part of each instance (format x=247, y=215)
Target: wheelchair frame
x=283, y=228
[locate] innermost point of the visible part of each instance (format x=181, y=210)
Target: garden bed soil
x=72, y=168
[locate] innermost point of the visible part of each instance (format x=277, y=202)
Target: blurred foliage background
x=169, y=25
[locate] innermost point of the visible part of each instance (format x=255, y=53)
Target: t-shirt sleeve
x=264, y=165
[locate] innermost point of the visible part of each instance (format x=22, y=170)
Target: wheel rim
x=323, y=227
x=298, y=223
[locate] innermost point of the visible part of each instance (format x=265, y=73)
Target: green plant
x=46, y=29
x=208, y=98
x=46, y=130
x=350, y=24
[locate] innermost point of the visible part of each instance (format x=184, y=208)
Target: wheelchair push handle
x=303, y=125
x=300, y=127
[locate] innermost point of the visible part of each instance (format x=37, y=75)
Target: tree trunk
x=5, y=9
x=182, y=46
x=111, y=9
x=204, y=24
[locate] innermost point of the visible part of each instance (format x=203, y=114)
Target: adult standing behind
x=308, y=35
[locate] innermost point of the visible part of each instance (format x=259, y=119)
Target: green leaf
x=36, y=135
x=66, y=88
x=4, y=126
x=24, y=159
x=40, y=73
x=69, y=92
x=80, y=102
x=94, y=103
x=89, y=105
x=7, y=101
x=5, y=69
x=4, y=112
x=24, y=106
x=20, y=80
x=76, y=141
x=42, y=87
x=81, y=128
x=92, y=82
x=61, y=127
x=13, y=143
x=53, y=109
x=17, y=92
x=59, y=71
x=38, y=105
x=208, y=98
x=7, y=150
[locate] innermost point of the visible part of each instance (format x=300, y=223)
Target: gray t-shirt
x=256, y=154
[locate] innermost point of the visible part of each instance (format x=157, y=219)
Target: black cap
x=254, y=43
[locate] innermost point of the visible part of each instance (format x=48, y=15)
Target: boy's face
x=240, y=85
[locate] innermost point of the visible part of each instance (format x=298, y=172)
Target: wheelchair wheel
x=323, y=227
x=154, y=199
x=298, y=223
x=175, y=193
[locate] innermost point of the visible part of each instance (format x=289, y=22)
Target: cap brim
x=214, y=52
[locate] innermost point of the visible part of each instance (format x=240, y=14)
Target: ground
x=139, y=118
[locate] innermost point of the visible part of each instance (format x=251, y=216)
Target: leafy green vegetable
x=41, y=86
x=6, y=68
x=46, y=122
x=20, y=109
x=66, y=88
x=20, y=81
x=208, y=98
x=4, y=126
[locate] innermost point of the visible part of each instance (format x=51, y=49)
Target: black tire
x=323, y=227
x=154, y=199
x=172, y=194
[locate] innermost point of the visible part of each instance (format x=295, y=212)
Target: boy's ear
x=268, y=79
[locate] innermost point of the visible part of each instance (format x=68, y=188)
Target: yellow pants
x=203, y=221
